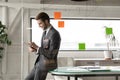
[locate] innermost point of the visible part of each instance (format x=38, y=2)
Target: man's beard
x=45, y=27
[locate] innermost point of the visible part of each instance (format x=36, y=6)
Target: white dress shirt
x=47, y=30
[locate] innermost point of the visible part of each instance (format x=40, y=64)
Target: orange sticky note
x=61, y=24
x=57, y=15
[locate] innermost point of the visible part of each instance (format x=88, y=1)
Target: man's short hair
x=43, y=16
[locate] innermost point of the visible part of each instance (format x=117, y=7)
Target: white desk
x=77, y=72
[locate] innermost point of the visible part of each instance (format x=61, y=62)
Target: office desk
x=78, y=72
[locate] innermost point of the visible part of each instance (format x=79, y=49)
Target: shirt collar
x=47, y=30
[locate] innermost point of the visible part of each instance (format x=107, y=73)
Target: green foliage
x=1, y=51
x=3, y=38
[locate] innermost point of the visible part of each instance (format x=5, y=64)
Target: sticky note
x=81, y=46
x=61, y=24
x=109, y=31
x=57, y=15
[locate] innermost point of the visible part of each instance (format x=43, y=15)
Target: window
x=75, y=31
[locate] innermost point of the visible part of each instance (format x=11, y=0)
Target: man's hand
x=32, y=47
x=32, y=50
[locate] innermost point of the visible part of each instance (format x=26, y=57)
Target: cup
x=108, y=55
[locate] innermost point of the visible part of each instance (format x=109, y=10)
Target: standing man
x=47, y=52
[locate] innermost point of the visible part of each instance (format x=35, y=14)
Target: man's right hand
x=33, y=45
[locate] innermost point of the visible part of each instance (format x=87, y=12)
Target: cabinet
x=92, y=62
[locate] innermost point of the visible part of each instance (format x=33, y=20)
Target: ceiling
x=71, y=2
x=84, y=2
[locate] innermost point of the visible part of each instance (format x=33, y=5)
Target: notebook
x=94, y=68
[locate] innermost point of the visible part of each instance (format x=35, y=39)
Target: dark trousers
x=37, y=73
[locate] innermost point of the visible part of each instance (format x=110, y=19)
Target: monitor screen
x=75, y=31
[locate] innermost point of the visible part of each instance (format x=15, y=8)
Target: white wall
x=0, y=12
x=13, y=63
x=23, y=1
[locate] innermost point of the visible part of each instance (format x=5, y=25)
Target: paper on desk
x=111, y=68
x=114, y=68
x=77, y=69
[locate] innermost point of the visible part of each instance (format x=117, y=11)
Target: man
x=47, y=53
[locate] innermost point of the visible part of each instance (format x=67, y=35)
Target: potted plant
x=3, y=38
x=111, y=41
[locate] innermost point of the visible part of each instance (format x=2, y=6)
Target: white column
x=22, y=44
x=5, y=22
x=5, y=15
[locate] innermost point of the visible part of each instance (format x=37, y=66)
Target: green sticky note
x=81, y=46
x=108, y=31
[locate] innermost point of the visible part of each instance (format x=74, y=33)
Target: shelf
x=92, y=59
